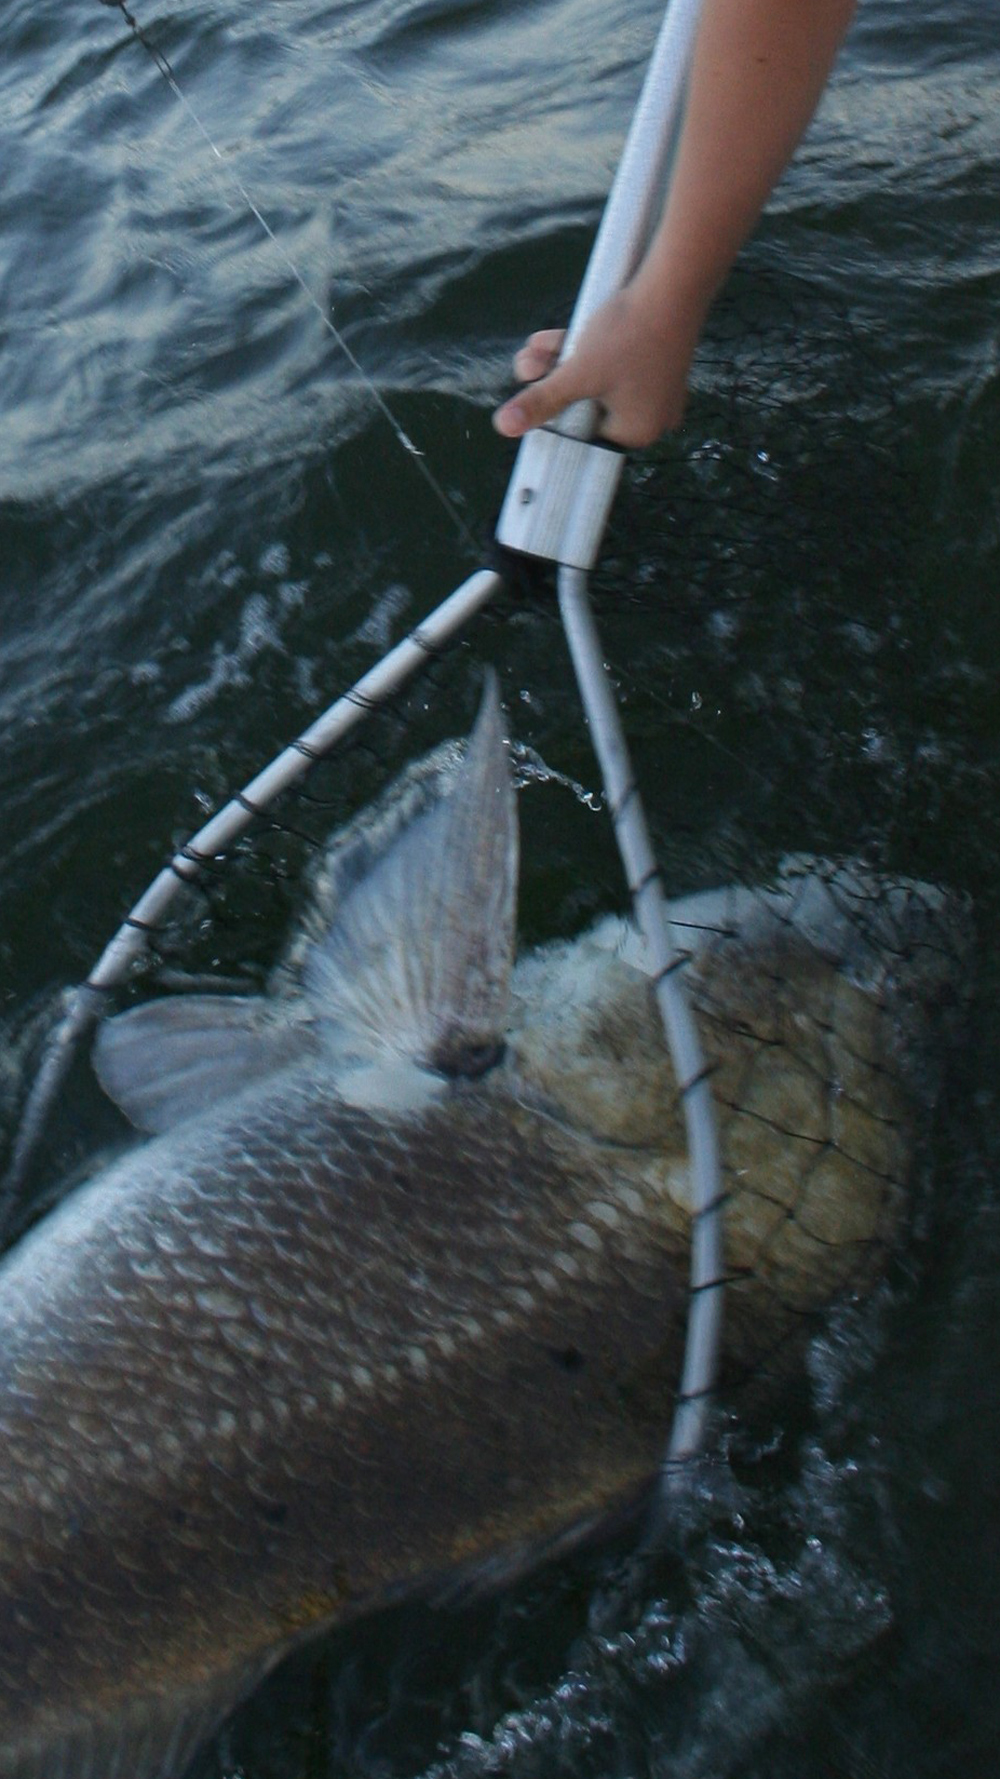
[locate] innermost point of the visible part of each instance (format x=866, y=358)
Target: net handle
x=638, y=188
x=629, y=216
x=621, y=238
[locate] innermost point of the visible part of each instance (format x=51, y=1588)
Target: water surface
x=207, y=529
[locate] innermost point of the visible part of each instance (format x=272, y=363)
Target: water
x=206, y=531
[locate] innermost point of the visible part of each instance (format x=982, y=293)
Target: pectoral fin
x=417, y=963
x=172, y=1059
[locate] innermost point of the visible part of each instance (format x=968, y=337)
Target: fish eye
x=471, y=1062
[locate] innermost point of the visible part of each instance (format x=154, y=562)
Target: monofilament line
x=412, y=451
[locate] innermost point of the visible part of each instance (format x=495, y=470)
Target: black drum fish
x=395, y=1293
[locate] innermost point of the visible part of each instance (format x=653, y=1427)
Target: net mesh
x=749, y=628
x=817, y=1008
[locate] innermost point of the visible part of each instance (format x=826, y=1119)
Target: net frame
x=626, y=224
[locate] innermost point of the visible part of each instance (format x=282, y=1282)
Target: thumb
x=539, y=402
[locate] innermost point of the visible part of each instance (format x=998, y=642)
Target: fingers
x=550, y=386
x=625, y=360
x=539, y=355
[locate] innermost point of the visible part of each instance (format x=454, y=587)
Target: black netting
x=752, y=596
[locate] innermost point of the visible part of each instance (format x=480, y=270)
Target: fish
x=390, y=1300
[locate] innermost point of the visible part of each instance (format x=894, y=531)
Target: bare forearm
x=759, y=69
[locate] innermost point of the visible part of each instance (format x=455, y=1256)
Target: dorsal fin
x=418, y=961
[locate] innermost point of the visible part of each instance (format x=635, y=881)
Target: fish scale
x=479, y=1198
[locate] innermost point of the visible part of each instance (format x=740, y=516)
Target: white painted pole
x=639, y=185
x=629, y=215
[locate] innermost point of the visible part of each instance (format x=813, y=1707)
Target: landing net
x=756, y=581
x=771, y=730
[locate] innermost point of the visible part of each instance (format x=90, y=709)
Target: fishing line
x=412, y=451
x=625, y=226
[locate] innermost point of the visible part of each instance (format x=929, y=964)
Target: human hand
x=759, y=68
x=625, y=359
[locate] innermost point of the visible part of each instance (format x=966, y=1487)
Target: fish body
x=395, y=1299
x=229, y=1415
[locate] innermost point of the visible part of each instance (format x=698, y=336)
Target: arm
x=758, y=71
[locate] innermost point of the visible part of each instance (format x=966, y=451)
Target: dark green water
x=206, y=532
